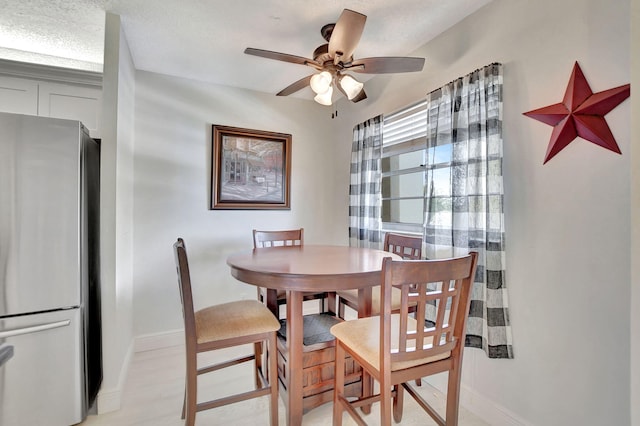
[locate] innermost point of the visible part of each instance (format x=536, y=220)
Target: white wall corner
x=481, y=406
x=111, y=399
x=488, y=410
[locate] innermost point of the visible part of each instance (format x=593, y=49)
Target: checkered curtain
x=464, y=127
x=365, y=195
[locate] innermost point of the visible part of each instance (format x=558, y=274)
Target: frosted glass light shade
x=320, y=82
x=350, y=85
x=324, y=98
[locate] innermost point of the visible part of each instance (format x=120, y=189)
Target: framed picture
x=250, y=169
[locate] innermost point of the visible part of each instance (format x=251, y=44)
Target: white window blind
x=406, y=125
x=403, y=168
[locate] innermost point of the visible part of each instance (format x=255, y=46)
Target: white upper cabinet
x=18, y=95
x=72, y=102
x=33, y=89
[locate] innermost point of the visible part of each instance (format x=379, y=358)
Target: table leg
x=294, y=364
x=272, y=302
x=364, y=311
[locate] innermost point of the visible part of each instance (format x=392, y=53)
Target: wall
x=116, y=214
x=172, y=172
x=567, y=222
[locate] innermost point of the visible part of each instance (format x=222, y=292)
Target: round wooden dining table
x=308, y=268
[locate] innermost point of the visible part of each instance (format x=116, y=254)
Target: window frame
x=404, y=132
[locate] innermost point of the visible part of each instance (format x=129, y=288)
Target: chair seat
x=315, y=328
x=362, y=336
x=232, y=320
x=351, y=296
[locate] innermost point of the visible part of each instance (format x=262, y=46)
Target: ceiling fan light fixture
x=320, y=83
x=330, y=60
x=350, y=85
x=324, y=98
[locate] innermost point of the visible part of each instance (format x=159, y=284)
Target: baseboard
x=488, y=410
x=150, y=342
x=476, y=403
x=111, y=399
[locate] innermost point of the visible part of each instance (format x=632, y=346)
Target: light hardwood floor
x=154, y=391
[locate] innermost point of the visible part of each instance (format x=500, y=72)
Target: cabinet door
x=72, y=102
x=19, y=96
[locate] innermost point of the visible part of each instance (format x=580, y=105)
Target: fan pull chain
x=334, y=114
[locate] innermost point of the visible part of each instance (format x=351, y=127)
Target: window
x=410, y=172
x=404, y=160
x=403, y=169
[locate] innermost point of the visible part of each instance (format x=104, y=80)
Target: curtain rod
x=399, y=110
x=453, y=81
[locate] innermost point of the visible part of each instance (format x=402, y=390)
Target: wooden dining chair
x=406, y=246
x=222, y=326
x=277, y=298
x=397, y=348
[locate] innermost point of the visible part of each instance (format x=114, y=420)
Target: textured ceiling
x=205, y=40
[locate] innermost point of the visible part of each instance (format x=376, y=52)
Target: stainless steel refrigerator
x=50, y=343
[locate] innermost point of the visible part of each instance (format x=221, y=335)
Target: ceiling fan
x=334, y=58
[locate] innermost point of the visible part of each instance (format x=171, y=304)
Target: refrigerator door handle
x=6, y=353
x=33, y=329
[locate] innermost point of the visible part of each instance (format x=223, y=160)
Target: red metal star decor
x=581, y=113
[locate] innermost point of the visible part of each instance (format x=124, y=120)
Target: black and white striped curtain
x=365, y=196
x=464, y=125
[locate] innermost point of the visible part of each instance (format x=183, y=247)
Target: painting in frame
x=250, y=169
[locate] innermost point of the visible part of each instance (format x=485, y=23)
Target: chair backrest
x=186, y=297
x=445, y=283
x=406, y=246
x=292, y=237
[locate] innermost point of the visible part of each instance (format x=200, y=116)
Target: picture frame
x=250, y=169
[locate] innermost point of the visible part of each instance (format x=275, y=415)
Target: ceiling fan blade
x=346, y=35
x=386, y=65
x=285, y=57
x=293, y=88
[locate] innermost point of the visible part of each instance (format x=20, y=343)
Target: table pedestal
x=318, y=357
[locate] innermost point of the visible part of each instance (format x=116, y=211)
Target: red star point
x=581, y=113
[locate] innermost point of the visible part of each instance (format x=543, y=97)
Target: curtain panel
x=365, y=195
x=464, y=141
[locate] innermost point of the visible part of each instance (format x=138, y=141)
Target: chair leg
x=331, y=302
x=267, y=353
x=184, y=403
x=191, y=390
x=257, y=352
x=398, y=403
x=340, y=308
x=419, y=382
x=385, y=403
x=453, y=396
x=367, y=390
x=273, y=379
x=338, y=387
